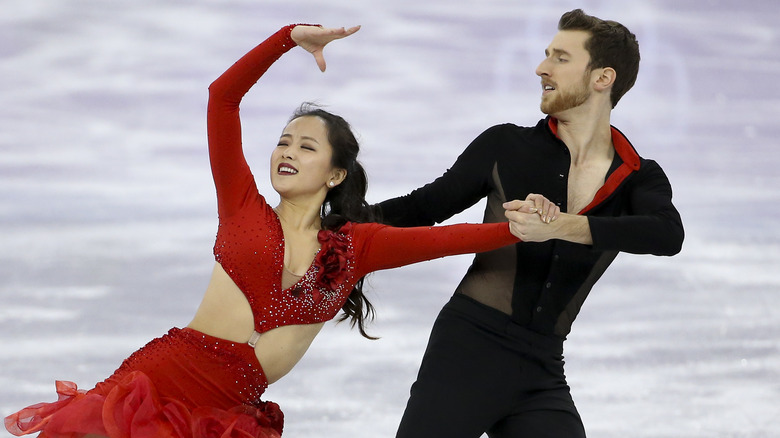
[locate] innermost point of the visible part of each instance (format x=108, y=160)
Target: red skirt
x=184, y=384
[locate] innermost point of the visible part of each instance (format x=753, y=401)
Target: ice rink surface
x=107, y=208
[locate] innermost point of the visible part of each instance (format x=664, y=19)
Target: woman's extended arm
x=383, y=247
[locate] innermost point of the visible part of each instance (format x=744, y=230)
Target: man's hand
x=530, y=220
x=546, y=209
x=536, y=219
x=528, y=227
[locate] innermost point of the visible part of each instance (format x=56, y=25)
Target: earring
x=331, y=184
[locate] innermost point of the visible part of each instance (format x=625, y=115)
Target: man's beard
x=563, y=101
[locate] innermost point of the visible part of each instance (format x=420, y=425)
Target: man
x=494, y=359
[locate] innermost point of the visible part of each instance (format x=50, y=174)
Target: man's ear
x=605, y=78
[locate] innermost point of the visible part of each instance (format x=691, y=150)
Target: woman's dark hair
x=610, y=45
x=346, y=202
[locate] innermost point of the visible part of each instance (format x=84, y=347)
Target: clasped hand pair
x=532, y=220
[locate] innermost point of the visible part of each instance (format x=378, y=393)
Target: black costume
x=521, y=300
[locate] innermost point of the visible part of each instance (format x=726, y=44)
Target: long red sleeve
x=232, y=176
x=383, y=247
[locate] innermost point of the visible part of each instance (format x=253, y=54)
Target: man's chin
x=550, y=108
x=546, y=109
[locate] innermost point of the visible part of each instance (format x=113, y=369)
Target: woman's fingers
x=314, y=39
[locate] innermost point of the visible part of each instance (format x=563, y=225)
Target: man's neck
x=586, y=132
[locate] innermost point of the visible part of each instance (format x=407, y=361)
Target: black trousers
x=483, y=373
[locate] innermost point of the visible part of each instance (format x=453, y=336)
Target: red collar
x=627, y=154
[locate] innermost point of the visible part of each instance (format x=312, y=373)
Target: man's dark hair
x=610, y=45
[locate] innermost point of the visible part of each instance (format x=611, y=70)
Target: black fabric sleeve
x=651, y=226
x=460, y=187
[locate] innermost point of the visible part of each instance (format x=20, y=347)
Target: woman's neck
x=299, y=217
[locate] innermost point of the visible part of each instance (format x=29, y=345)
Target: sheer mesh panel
x=491, y=276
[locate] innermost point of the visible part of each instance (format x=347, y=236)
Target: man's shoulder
x=509, y=129
x=509, y=126
x=649, y=166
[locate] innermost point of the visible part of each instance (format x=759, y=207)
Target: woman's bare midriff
x=225, y=313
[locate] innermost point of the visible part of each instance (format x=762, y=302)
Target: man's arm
x=651, y=224
x=460, y=187
x=530, y=227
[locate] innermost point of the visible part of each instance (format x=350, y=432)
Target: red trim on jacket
x=627, y=154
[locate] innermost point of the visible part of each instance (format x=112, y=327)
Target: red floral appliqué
x=333, y=258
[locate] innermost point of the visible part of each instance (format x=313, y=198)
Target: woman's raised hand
x=314, y=38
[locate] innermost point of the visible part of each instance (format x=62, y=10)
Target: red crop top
x=250, y=243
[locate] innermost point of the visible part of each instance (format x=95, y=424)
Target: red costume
x=188, y=383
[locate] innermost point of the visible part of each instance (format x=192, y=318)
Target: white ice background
x=107, y=208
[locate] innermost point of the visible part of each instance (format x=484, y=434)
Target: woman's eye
x=308, y=148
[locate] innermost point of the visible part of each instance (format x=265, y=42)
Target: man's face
x=564, y=72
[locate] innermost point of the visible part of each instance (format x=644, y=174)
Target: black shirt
x=543, y=285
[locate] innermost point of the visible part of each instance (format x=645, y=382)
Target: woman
x=280, y=274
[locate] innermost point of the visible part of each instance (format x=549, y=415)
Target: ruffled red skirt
x=184, y=384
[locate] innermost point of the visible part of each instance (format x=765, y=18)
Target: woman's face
x=301, y=164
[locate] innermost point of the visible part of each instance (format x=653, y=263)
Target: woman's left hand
x=314, y=38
